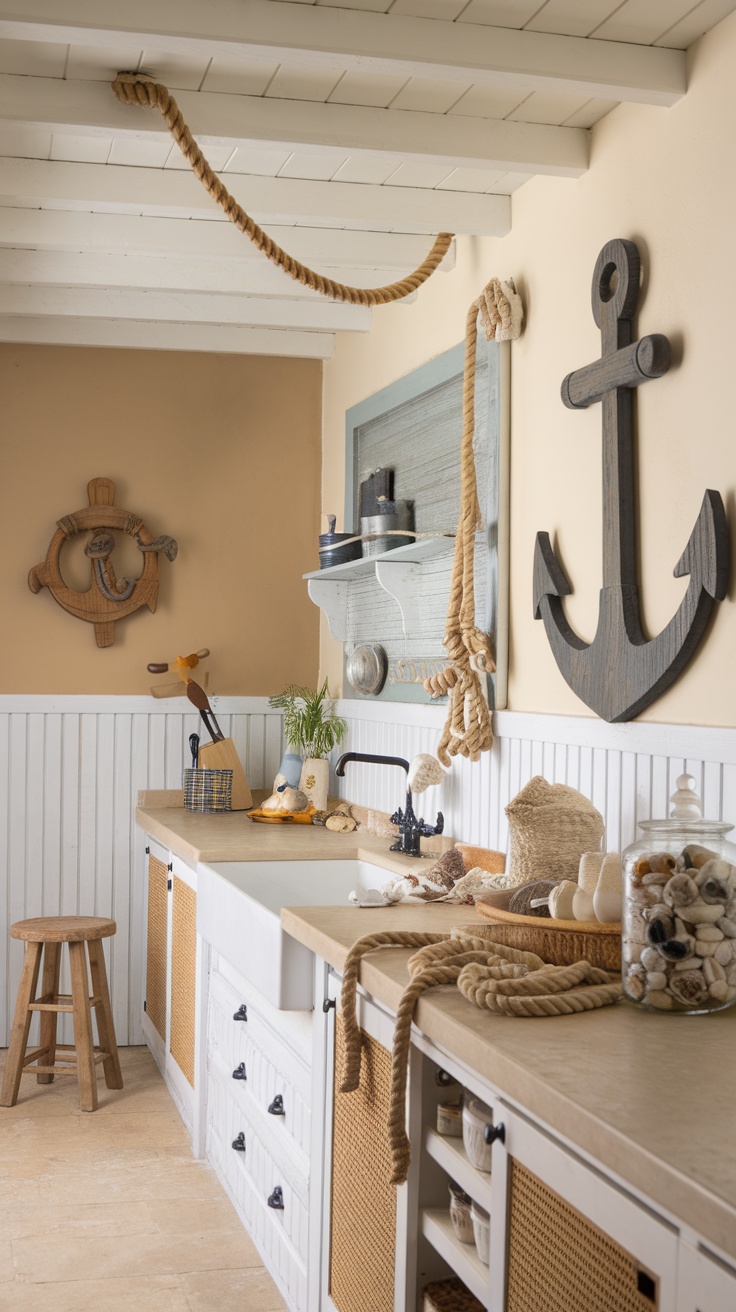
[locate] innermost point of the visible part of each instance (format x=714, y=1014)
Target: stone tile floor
x=108, y=1211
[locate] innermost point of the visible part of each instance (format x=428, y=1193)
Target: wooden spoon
x=199, y=698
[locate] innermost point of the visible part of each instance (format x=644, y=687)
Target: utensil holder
x=208, y=790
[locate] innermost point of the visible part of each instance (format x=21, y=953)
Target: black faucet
x=410, y=829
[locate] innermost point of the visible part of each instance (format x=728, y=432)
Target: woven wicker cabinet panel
x=183, y=976
x=158, y=878
x=560, y=1262
x=363, y=1252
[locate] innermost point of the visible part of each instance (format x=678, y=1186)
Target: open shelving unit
x=463, y=1258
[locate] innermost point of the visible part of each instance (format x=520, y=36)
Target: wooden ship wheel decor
x=621, y=671
x=107, y=599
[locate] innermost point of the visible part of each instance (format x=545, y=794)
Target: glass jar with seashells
x=679, y=911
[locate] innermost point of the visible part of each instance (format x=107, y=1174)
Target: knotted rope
x=467, y=730
x=136, y=89
x=489, y=974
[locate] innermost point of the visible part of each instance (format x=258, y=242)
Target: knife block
x=222, y=755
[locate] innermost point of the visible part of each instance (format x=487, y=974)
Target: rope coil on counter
x=489, y=974
x=138, y=90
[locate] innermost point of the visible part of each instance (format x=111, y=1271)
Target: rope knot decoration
x=491, y=975
x=145, y=92
x=467, y=730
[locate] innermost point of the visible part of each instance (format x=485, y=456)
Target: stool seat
x=45, y=936
x=63, y=929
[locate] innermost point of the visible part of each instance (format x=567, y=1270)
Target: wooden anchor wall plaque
x=620, y=671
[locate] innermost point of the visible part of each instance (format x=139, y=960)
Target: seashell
x=657, y=980
x=680, y=891
x=731, y=994
x=701, y=913
x=708, y=934
x=340, y=823
x=650, y=959
x=725, y=952
x=712, y=971
x=692, y=963
x=560, y=900
x=657, y=877
x=705, y=949
x=728, y=926
x=641, y=868
x=678, y=949
x=696, y=856
x=634, y=987
x=660, y=924
x=662, y=1001
x=719, y=991
x=689, y=987
x=713, y=881
x=731, y=973
x=661, y=862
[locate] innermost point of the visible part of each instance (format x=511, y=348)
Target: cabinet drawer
x=292, y=1029
x=251, y=1177
x=277, y=1080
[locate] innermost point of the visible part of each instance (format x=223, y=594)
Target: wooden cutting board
x=222, y=755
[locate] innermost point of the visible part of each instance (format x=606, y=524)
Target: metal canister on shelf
x=394, y=515
x=331, y=550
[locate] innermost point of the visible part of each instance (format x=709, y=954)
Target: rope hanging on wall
x=136, y=89
x=467, y=730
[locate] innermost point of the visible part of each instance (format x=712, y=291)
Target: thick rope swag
x=489, y=974
x=467, y=730
x=135, y=89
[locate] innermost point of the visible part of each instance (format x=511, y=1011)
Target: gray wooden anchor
x=620, y=671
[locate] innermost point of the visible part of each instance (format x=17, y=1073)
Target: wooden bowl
x=560, y=942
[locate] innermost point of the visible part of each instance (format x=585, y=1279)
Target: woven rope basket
x=208, y=790
x=550, y=826
x=449, y=1296
x=561, y=942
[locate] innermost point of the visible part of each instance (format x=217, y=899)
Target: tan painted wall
x=220, y=452
x=664, y=178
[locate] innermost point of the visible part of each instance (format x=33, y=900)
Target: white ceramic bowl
x=481, y=1231
x=476, y=1116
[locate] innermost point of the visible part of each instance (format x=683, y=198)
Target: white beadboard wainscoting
x=70, y=768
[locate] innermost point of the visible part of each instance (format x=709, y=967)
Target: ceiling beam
x=38, y=268
x=343, y=38
x=175, y=193
x=322, y=315
x=56, y=230
x=231, y=120
x=144, y=336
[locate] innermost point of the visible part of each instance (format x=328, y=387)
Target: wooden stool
x=50, y=932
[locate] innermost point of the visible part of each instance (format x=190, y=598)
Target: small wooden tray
x=561, y=942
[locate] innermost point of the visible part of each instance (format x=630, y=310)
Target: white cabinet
x=172, y=976
x=705, y=1283
x=258, y=1121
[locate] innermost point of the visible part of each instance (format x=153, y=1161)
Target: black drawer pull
x=277, y=1106
x=239, y=1072
x=493, y=1132
x=328, y=1004
x=444, y=1077
x=241, y=1013
x=239, y=1143
x=276, y=1199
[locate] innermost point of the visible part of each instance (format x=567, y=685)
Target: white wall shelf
x=398, y=573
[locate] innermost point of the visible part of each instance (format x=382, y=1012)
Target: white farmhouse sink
x=238, y=913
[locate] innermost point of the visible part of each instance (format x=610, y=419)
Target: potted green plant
x=313, y=728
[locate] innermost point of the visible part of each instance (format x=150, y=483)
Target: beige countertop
x=653, y=1098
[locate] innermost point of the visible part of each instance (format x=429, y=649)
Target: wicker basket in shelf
x=561, y=942
x=449, y=1296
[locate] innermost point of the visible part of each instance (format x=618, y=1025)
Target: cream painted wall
x=663, y=178
x=222, y=452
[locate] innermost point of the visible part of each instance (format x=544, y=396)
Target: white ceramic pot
x=476, y=1116
x=481, y=1231
x=314, y=781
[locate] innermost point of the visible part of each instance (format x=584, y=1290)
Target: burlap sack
x=550, y=826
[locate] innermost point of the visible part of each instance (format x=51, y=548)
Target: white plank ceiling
x=351, y=132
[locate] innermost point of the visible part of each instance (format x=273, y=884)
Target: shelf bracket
x=332, y=597
x=402, y=581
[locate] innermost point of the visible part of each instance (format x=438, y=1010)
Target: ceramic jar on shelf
x=679, y=912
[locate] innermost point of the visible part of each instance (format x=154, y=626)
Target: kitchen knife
x=199, y=698
x=194, y=748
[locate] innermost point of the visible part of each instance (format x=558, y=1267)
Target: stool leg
x=49, y=988
x=21, y=1025
x=105, y=1024
x=83, y=1028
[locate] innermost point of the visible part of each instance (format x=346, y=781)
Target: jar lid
x=686, y=815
